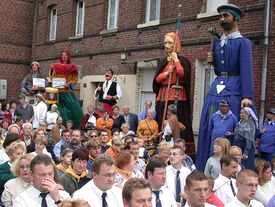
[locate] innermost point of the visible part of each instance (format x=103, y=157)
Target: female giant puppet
x=180, y=69
x=68, y=105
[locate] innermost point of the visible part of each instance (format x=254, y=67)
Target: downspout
x=264, y=71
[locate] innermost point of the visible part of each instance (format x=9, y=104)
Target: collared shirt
x=31, y=198
x=92, y=119
x=224, y=193
x=40, y=113
x=12, y=189
x=92, y=194
x=57, y=147
x=237, y=203
x=265, y=192
x=118, y=90
x=139, y=164
x=171, y=175
x=166, y=198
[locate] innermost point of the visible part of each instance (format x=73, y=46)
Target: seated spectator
x=37, y=132
x=75, y=141
x=125, y=130
x=65, y=161
x=176, y=172
x=4, y=127
x=118, y=119
x=99, y=109
x=65, y=139
x=6, y=111
x=26, y=137
x=133, y=147
x=103, y=137
x=266, y=187
x=187, y=161
x=212, y=198
x=221, y=147
x=129, y=138
x=115, y=132
x=14, y=151
x=21, y=169
x=142, y=114
x=40, y=146
x=130, y=118
x=43, y=124
x=88, y=121
x=69, y=125
x=93, y=134
x=114, y=150
x=148, y=130
x=52, y=116
x=225, y=184
x=125, y=165
x=164, y=151
x=237, y=152
x=105, y=123
x=142, y=150
x=76, y=175
x=57, y=129
x=11, y=137
x=94, y=148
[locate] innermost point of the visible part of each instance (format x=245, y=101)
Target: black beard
x=226, y=26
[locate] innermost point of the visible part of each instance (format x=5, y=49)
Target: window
x=80, y=17
x=212, y=5
x=152, y=10
x=53, y=23
x=112, y=14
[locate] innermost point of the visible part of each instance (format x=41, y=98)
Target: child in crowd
x=69, y=125
x=5, y=126
x=237, y=152
x=114, y=150
x=142, y=149
x=66, y=161
x=19, y=121
x=221, y=147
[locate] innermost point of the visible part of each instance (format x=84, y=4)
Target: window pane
x=80, y=16
x=113, y=7
x=213, y=4
x=153, y=9
x=53, y=24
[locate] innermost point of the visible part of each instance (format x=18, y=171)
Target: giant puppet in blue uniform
x=232, y=59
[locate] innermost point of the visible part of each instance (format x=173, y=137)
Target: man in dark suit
x=130, y=118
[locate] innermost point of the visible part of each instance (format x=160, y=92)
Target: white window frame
x=53, y=23
x=212, y=5
x=109, y=27
x=148, y=9
x=80, y=22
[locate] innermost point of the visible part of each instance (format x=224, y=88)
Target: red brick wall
x=15, y=42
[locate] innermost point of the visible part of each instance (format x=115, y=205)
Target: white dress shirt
x=32, y=198
x=237, y=203
x=40, y=113
x=3, y=156
x=224, y=193
x=12, y=189
x=51, y=117
x=171, y=175
x=205, y=205
x=166, y=198
x=92, y=194
x=118, y=91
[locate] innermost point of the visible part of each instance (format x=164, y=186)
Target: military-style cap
x=271, y=111
x=109, y=70
x=22, y=95
x=233, y=9
x=224, y=103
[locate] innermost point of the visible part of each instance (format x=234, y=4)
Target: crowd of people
x=53, y=155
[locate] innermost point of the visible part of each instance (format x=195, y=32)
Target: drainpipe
x=264, y=71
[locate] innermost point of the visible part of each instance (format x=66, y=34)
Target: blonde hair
x=41, y=139
x=117, y=141
x=37, y=130
x=13, y=146
x=260, y=168
x=14, y=125
x=16, y=164
x=235, y=150
x=224, y=143
x=164, y=146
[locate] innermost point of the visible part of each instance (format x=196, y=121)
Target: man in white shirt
x=137, y=193
x=225, y=184
x=176, y=173
x=100, y=192
x=155, y=173
x=196, y=190
x=247, y=182
x=40, y=111
x=44, y=191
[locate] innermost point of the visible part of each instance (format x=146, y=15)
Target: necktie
x=178, y=190
x=158, y=202
x=232, y=188
x=44, y=202
x=104, y=202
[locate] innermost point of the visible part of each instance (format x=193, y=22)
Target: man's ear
x=149, y=174
x=125, y=203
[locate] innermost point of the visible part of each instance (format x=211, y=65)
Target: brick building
x=127, y=36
